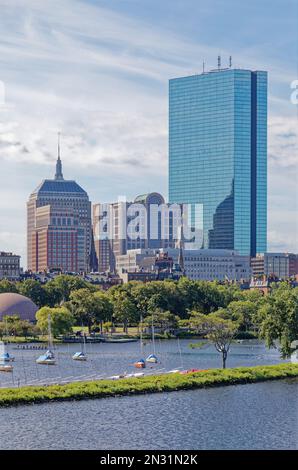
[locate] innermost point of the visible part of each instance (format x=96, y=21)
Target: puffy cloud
x=283, y=141
x=100, y=77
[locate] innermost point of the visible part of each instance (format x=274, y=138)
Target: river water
x=106, y=359
x=255, y=416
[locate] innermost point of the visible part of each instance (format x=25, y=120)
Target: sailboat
x=294, y=355
x=152, y=358
x=4, y=359
x=5, y=367
x=81, y=355
x=5, y=356
x=48, y=358
x=141, y=364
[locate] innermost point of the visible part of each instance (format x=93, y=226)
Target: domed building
x=16, y=304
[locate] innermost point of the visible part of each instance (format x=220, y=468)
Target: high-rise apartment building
x=218, y=155
x=59, y=228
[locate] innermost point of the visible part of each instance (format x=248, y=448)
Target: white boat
x=79, y=356
x=152, y=358
x=6, y=367
x=48, y=358
x=6, y=357
x=294, y=357
x=135, y=375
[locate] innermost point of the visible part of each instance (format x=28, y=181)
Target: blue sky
x=98, y=71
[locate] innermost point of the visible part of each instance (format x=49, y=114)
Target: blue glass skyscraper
x=218, y=155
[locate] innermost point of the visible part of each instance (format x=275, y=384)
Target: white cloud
x=101, y=78
x=283, y=141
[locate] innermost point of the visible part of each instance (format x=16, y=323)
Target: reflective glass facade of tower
x=218, y=155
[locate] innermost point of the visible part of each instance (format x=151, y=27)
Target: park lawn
x=146, y=384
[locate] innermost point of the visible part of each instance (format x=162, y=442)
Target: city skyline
x=111, y=103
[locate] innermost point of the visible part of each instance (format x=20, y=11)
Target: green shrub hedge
x=146, y=384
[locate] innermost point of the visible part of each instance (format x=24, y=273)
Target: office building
x=202, y=265
x=147, y=222
x=59, y=228
x=280, y=265
x=218, y=155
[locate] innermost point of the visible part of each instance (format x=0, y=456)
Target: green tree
x=278, y=318
x=12, y=325
x=218, y=330
x=90, y=308
x=34, y=290
x=62, y=320
x=60, y=288
x=7, y=286
x=165, y=321
x=162, y=295
x=125, y=310
x=242, y=311
x=103, y=309
x=206, y=297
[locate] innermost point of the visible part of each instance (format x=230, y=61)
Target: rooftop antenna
x=219, y=62
x=230, y=62
x=59, y=133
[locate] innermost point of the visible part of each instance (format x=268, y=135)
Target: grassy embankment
x=147, y=384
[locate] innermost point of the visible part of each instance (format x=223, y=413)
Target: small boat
x=135, y=375
x=48, y=358
x=294, y=357
x=141, y=364
x=6, y=357
x=79, y=356
x=6, y=367
x=152, y=358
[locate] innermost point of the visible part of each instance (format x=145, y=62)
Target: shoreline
x=148, y=384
